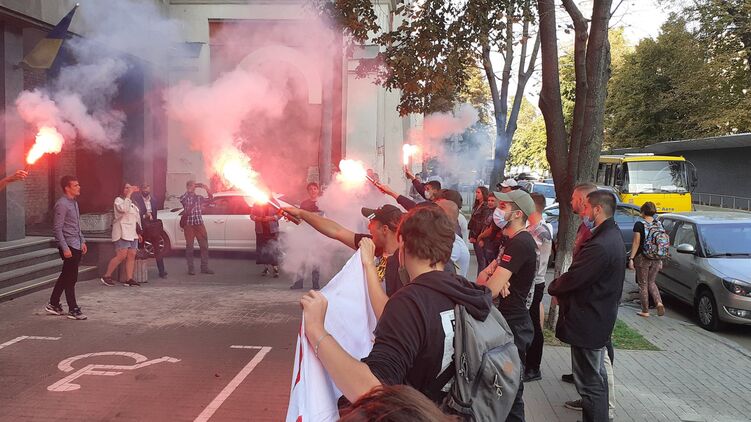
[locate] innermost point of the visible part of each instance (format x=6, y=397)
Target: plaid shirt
x=193, y=202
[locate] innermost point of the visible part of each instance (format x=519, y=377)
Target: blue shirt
x=67, y=226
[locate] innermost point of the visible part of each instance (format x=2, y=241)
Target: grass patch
x=624, y=337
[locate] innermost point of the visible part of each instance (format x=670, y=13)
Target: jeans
x=197, y=232
x=523, y=332
x=67, y=280
x=534, y=354
x=591, y=380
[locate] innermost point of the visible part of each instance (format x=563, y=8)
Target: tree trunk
x=573, y=160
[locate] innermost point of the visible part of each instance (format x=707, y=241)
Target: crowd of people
x=416, y=273
x=416, y=266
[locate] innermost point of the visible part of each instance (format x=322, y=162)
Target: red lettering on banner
x=299, y=364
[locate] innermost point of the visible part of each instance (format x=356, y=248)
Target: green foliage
x=430, y=52
x=686, y=83
x=530, y=139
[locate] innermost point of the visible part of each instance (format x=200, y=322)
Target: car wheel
x=706, y=310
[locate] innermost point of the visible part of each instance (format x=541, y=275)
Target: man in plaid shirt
x=194, y=228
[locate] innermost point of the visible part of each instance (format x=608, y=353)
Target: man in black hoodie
x=588, y=295
x=414, y=336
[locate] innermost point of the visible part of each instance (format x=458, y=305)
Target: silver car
x=710, y=265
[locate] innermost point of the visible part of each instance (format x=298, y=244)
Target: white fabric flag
x=351, y=321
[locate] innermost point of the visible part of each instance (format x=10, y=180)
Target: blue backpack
x=656, y=241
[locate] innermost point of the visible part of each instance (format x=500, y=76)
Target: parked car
x=227, y=221
x=546, y=189
x=625, y=217
x=710, y=265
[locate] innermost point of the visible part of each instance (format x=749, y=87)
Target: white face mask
x=499, y=218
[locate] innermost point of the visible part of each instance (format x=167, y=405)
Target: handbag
x=153, y=229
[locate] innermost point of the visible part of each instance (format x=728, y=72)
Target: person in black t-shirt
x=310, y=204
x=413, y=338
x=380, y=241
x=512, y=274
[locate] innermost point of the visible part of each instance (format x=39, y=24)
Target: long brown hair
x=396, y=403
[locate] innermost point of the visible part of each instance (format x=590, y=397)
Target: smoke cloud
x=79, y=102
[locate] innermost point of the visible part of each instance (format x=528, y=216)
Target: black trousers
x=534, y=353
x=523, y=332
x=591, y=380
x=67, y=280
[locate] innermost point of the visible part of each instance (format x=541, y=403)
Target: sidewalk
x=697, y=376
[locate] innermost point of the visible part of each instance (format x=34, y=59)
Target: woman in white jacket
x=125, y=236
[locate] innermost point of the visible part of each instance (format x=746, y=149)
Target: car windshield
x=547, y=191
x=732, y=239
x=656, y=176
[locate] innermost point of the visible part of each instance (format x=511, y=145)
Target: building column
x=12, y=216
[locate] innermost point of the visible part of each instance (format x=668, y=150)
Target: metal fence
x=722, y=201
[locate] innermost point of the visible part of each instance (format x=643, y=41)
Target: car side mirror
x=685, y=248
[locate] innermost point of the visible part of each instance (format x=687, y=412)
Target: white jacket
x=127, y=217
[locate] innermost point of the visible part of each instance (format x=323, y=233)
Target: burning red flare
x=408, y=151
x=234, y=167
x=48, y=140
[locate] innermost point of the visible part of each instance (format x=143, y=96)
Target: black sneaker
x=76, y=313
x=532, y=375
x=163, y=275
x=191, y=272
x=574, y=404
x=54, y=309
x=569, y=378
x=107, y=281
x=207, y=271
x=131, y=283
x=296, y=286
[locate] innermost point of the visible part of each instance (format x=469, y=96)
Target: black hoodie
x=414, y=339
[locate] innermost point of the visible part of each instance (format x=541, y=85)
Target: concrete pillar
x=12, y=218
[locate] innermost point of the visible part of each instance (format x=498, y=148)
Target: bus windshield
x=656, y=176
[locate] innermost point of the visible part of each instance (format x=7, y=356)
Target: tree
x=573, y=156
x=429, y=55
x=529, y=144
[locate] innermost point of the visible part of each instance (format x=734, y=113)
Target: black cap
x=387, y=214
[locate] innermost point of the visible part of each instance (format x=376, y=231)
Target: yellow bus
x=637, y=178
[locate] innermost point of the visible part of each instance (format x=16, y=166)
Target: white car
x=227, y=221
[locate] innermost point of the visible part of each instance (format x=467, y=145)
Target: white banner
x=351, y=321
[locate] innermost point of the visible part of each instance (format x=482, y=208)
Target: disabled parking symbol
x=66, y=384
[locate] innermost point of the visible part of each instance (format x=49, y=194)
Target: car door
x=625, y=217
x=680, y=269
x=215, y=215
x=240, y=232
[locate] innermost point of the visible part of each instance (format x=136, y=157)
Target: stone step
x=43, y=282
x=29, y=258
x=28, y=244
x=19, y=275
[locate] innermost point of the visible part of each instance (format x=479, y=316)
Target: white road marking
x=66, y=365
x=17, y=339
x=236, y=381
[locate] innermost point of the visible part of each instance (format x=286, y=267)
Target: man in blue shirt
x=72, y=245
x=194, y=228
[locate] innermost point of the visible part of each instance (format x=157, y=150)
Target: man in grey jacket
x=72, y=245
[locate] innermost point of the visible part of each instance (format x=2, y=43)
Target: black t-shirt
x=639, y=228
x=518, y=255
x=411, y=345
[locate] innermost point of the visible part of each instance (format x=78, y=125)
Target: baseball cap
x=387, y=214
x=508, y=183
x=520, y=198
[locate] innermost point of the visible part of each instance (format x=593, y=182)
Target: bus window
x=609, y=170
x=656, y=176
x=600, y=179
